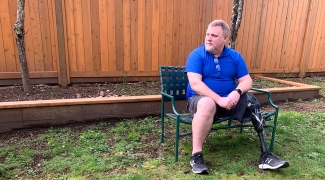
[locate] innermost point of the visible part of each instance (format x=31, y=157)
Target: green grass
x=131, y=149
x=263, y=83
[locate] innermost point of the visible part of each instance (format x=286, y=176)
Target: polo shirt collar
x=225, y=51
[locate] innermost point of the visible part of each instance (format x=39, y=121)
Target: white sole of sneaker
x=200, y=172
x=266, y=166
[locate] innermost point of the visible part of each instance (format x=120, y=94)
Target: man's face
x=214, y=40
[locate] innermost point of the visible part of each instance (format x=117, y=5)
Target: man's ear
x=226, y=38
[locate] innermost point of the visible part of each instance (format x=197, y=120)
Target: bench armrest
x=268, y=97
x=171, y=98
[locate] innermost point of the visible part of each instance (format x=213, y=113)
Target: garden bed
x=55, y=105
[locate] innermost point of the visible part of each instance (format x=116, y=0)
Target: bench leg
x=177, y=139
x=273, y=132
x=162, y=124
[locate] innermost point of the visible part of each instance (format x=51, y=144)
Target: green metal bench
x=173, y=87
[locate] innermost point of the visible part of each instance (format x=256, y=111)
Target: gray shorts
x=238, y=111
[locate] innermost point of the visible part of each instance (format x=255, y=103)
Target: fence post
x=310, y=24
x=63, y=78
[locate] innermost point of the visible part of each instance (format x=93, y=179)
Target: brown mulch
x=81, y=90
x=98, y=90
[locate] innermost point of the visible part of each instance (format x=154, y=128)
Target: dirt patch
x=83, y=90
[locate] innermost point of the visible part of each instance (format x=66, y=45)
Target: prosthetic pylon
x=257, y=120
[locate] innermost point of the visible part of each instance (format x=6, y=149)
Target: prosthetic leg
x=267, y=160
x=257, y=120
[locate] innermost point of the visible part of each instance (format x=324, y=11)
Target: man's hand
x=230, y=101
x=234, y=98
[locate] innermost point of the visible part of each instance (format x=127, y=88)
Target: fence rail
x=105, y=40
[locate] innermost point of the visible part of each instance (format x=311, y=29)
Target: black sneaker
x=198, y=165
x=268, y=161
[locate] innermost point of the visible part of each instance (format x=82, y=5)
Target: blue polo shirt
x=223, y=82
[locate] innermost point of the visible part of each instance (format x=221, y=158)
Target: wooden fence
x=105, y=40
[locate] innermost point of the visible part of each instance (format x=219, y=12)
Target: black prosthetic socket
x=257, y=120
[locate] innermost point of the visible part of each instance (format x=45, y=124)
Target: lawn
x=131, y=149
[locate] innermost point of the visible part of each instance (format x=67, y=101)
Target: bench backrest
x=174, y=81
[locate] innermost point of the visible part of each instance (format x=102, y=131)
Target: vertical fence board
x=95, y=36
x=294, y=37
x=141, y=35
x=318, y=38
x=29, y=49
x=288, y=41
x=285, y=41
x=70, y=35
x=268, y=26
x=46, y=35
x=126, y=34
x=148, y=38
x=279, y=28
x=119, y=35
x=315, y=38
x=227, y=10
x=53, y=34
x=208, y=14
x=188, y=26
x=270, y=59
x=309, y=27
x=3, y=64
x=155, y=34
x=261, y=36
x=80, y=51
x=103, y=31
x=111, y=27
x=13, y=19
x=176, y=34
x=37, y=35
x=302, y=10
x=134, y=35
x=162, y=34
x=169, y=32
x=321, y=57
x=87, y=36
x=197, y=25
x=245, y=34
x=249, y=14
x=201, y=26
x=8, y=37
x=256, y=24
x=182, y=28
x=217, y=10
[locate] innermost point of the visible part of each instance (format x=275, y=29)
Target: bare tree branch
x=237, y=14
x=19, y=34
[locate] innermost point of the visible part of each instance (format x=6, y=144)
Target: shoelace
x=199, y=159
x=265, y=155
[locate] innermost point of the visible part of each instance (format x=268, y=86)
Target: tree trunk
x=19, y=34
x=237, y=14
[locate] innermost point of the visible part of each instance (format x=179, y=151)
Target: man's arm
x=200, y=88
x=245, y=83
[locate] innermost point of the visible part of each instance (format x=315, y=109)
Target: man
x=213, y=70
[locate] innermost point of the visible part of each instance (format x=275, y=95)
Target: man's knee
x=206, y=105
